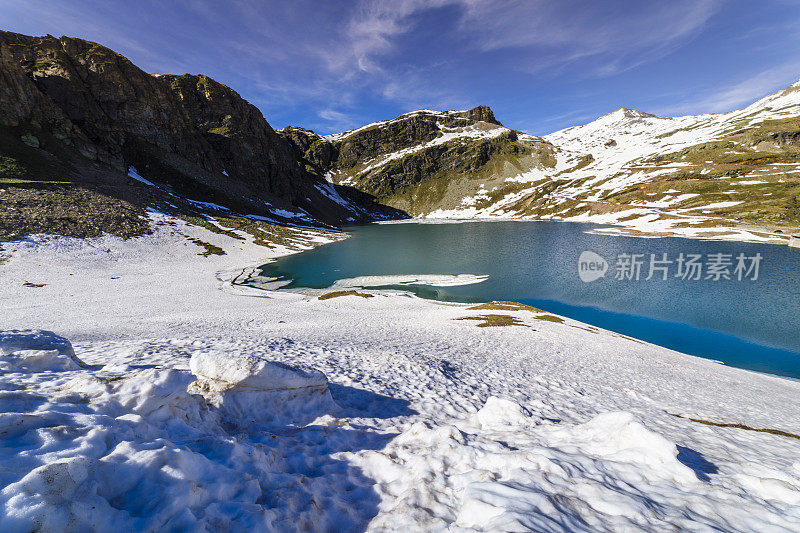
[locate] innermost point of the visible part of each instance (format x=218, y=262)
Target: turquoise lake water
x=748, y=323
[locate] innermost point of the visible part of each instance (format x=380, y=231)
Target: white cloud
x=335, y=120
x=331, y=114
x=554, y=34
x=741, y=94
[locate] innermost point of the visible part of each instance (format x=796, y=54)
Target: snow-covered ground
x=168, y=412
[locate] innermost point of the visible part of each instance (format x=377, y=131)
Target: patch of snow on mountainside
x=447, y=135
x=617, y=140
x=405, y=116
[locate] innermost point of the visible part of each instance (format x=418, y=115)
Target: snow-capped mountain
x=424, y=160
x=192, y=146
x=627, y=167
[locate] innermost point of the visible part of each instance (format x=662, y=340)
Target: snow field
x=171, y=398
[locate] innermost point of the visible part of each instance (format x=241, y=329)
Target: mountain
x=75, y=113
x=423, y=160
x=739, y=166
x=630, y=168
x=89, y=142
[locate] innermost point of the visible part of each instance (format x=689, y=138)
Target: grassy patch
x=550, y=318
x=69, y=211
x=739, y=426
x=225, y=129
x=210, y=249
x=767, y=151
x=23, y=182
x=337, y=294
x=584, y=162
x=511, y=306
x=489, y=321
x=504, y=306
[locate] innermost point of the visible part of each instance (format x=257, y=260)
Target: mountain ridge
x=189, y=133
x=76, y=114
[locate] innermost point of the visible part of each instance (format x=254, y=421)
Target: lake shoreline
x=537, y=262
x=415, y=383
x=733, y=233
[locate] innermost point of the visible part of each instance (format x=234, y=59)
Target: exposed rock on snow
x=251, y=389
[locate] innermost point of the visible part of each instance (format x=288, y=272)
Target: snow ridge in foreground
x=120, y=447
x=256, y=444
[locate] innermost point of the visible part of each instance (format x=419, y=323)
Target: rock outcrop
x=412, y=161
x=199, y=137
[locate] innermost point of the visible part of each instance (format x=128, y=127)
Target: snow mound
x=500, y=413
x=248, y=389
x=36, y=351
x=619, y=437
x=501, y=469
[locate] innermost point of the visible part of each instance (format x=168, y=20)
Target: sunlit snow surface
x=163, y=401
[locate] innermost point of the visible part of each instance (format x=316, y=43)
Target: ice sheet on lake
x=432, y=280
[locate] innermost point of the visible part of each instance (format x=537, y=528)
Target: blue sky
x=542, y=65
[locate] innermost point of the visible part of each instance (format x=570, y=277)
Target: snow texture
x=205, y=405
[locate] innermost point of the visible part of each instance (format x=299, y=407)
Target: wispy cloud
x=321, y=64
x=336, y=120
x=740, y=94
x=555, y=34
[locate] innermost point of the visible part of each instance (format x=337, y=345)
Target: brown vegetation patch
x=488, y=321
x=337, y=294
x=210, y=249
x=74, y=212
x=504, y=306
x=550, y=318
x=739, y=426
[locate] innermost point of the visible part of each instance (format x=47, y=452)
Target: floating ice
x=433, y=280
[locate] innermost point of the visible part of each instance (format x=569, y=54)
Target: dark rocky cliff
x=424, y=160
x=86, y=104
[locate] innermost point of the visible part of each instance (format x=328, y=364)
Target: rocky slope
x=662, y=175
x=74, y=112
x=424, y=160
x=89, y=141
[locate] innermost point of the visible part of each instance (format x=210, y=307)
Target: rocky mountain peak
x=480, y=113
x=625, y=113
x=186, y=131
